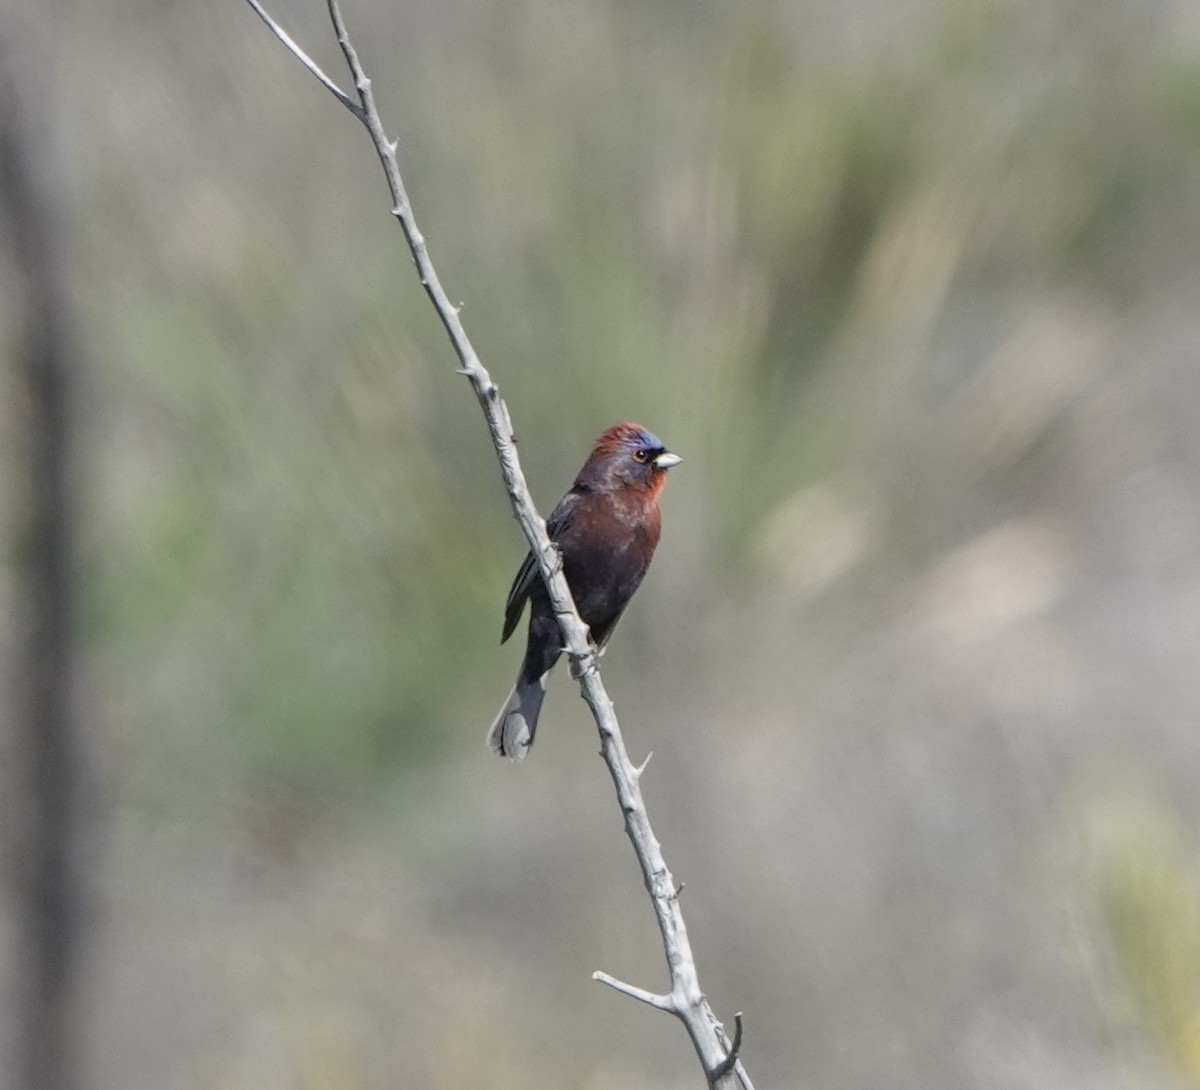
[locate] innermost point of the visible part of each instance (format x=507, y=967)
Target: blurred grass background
x=913, y=289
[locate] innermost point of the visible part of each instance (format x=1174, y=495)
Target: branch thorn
x=726, y=1065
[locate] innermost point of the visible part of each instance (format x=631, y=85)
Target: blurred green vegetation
x=911, y=287
x=700, y=220
x=1140, y=881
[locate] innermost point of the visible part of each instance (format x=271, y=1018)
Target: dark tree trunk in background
x=46, y=773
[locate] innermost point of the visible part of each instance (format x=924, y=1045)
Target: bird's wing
x=528, y=574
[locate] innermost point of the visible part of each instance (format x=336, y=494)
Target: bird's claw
x=581, y=664
x=556, y=560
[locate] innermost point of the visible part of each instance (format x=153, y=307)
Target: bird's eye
x=641, y=456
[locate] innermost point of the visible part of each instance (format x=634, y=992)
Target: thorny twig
x=685, y=1000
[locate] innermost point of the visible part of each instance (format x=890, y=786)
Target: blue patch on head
x=645, y=440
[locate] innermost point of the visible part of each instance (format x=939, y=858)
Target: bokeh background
x=915, y=290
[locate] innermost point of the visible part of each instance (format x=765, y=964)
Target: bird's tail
x=512, y=732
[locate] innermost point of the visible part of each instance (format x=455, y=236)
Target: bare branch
x=685, y=999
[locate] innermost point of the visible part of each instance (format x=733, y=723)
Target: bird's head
x=628, y=456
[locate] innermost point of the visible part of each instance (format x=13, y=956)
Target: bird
x=606, y=529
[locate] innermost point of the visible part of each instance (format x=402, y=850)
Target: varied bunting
x=606, y=529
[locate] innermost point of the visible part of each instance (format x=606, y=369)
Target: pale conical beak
x=666, y=460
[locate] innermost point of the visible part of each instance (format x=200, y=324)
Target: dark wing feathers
x=527, y=573
x=518, y=595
